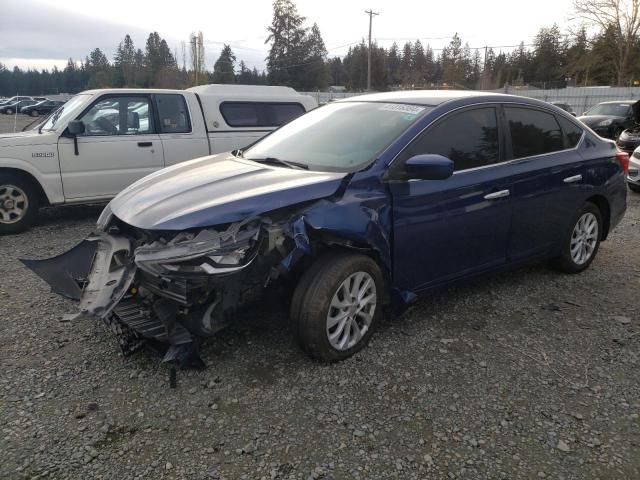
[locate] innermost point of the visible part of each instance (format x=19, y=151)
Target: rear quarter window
x=259, y=114
x=570, y=131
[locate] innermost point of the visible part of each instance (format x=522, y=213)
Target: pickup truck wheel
x=19, y=203
x=581, y=245
x=337, y=305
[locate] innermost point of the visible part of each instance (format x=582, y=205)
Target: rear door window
x=173, y=113
x=259, y=114
x=533, y=132
x=468, y=138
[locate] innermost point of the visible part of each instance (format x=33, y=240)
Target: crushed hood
x=217, y=190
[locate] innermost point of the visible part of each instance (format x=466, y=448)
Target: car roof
x=431, y=98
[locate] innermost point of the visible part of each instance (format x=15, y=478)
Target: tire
x=634, y=188
x=311, y=312
x=24, y=213
x=33, y=113
x=575, y=262
x=9, y=111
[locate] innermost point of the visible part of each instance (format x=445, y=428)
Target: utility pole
x=371, y=14
x=484, y=69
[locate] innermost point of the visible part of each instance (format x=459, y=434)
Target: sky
x=43, y=33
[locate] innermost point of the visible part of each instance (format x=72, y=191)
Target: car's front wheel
x=9, y=111
x=33, y=113
x=581, y=245
x=19, y=203
x=337, y=305
x=634, y=188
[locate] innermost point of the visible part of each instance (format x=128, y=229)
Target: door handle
x=575, y=178
x=145, y=144
x=500, y=194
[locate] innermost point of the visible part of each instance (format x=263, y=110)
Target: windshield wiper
x=277, y=161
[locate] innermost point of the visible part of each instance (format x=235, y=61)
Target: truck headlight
x=208, y=252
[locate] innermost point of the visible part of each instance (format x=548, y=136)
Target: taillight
x=623, y=160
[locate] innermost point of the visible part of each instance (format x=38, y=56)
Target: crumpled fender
x=361, y=218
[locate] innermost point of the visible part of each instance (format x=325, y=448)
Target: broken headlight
x=105, y=218
x=207, y=252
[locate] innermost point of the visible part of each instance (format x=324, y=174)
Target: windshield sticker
x=402, y=108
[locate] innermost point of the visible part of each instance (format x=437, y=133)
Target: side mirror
x=75, y=127
x=429, y=167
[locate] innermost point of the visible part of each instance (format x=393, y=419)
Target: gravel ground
x=526, y=374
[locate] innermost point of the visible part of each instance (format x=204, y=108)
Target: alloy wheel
x=584, y=238
x=351, y=311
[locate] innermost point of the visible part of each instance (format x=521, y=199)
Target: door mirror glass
x=76, y=127
x=429, y=167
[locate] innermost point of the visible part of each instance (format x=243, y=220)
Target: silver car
x=633, y=176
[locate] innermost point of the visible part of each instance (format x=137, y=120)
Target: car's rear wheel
x=582, y=243
x=337, y=305
x=19, y=202
x=634, y=188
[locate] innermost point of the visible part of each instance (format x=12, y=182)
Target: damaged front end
x=167, y=289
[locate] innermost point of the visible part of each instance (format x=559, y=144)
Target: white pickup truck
x=101, y=141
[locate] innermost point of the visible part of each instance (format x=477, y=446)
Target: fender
x=50, y=182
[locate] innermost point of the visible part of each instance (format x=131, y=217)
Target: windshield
x=342, y=136
x=613, y=109
x=63, y=114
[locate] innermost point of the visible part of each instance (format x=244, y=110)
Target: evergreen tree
x=287, y=36
x=316, y=73
x=406, y=63
x=124, y=62
x=393, y=65
x=224, y=68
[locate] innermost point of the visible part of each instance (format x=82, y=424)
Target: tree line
x=299, y=58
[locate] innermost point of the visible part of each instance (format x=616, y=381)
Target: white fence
x=580, y=98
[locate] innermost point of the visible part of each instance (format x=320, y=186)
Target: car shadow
x=49, y=216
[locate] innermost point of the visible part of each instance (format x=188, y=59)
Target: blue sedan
x=372, y=200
